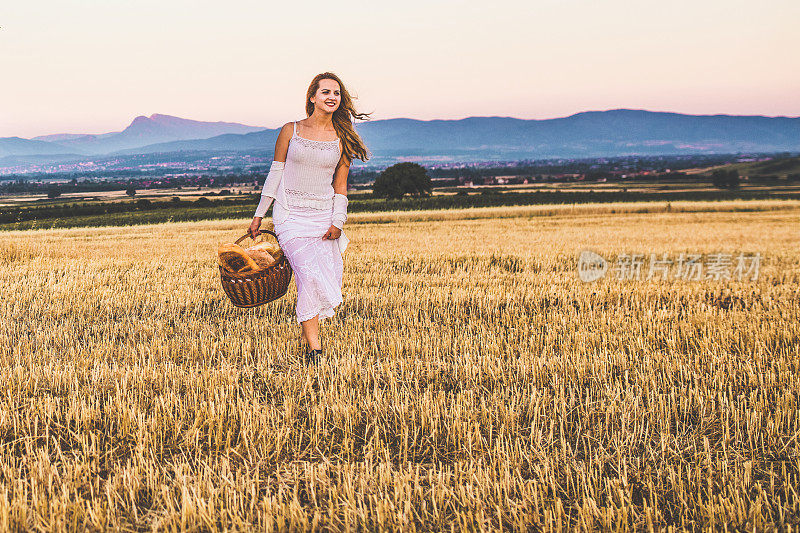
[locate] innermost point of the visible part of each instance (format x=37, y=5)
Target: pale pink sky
x=91, y=66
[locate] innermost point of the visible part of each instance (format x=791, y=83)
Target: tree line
x=725, y=178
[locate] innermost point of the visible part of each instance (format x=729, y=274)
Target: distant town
x=247, y=171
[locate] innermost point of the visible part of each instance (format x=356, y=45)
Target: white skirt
x=317, y=264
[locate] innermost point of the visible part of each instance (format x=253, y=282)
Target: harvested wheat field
x=471, y=380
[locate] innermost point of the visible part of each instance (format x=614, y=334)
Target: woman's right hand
x=254, y=225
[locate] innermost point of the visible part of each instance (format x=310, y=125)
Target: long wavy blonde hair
x=352, y=145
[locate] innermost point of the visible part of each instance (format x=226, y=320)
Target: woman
x=308, y=182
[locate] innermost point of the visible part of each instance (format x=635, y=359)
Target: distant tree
x=176, y=199
x=401, y=179
x=718, y=178
x=733, y=179
x=725, y=178
x=385, y=187
x=130, y=191
x=203, y=201
x=53, y=191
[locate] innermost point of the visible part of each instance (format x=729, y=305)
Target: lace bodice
x=318, y=145
x=308, y=174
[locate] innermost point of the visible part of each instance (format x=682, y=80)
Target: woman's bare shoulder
x=287, y=130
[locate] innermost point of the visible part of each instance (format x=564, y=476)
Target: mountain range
x=142, y=131
x=589, y=134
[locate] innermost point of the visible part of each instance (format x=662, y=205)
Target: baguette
x=234, y=258
x=269, y=247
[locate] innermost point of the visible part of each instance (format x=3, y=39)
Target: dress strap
x=295, y=127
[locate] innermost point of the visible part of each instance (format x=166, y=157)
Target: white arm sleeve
x=270, y=189
x=263, y=205
x=273, y=179
x=339, y=210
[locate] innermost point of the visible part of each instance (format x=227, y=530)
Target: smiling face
x=328, y=96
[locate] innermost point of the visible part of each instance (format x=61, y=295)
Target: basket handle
x=247, y=235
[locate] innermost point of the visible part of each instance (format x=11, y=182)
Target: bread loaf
x=262, y=254
x=234, y=258
x=269, y=247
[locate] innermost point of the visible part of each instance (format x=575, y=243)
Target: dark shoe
x=312, y=356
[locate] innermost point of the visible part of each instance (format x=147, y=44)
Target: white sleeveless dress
x=301, y=220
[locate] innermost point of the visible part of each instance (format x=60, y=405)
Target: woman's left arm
x=340, y=175
x=339, y=187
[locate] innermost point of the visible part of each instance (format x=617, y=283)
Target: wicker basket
x=257, y=288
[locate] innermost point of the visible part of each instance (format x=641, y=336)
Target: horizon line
x=428, y=120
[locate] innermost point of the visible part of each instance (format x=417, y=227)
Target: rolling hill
x=620, y=132
x=590, y=134
x=142, y=131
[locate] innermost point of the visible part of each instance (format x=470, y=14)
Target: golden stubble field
x=471, y=379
